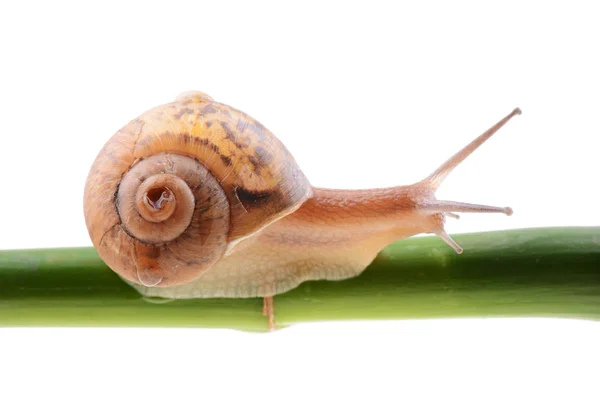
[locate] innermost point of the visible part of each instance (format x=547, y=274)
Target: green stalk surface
x=542, y=272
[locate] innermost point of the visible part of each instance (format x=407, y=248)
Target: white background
x=364, y=95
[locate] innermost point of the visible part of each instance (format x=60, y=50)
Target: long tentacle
x=438, y=176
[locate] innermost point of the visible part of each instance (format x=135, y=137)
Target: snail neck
x=353, y=222
x=353, y=216
x=369, y=220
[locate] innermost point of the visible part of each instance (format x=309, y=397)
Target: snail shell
x=173, y=191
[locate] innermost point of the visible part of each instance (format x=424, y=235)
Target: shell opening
x=162, y=209
x=157, y=198
x=155, y=202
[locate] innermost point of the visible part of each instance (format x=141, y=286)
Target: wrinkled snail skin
x=196, y=199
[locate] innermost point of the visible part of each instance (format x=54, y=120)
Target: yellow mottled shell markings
x=258, y=174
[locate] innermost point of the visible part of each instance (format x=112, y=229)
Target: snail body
x=197, y=199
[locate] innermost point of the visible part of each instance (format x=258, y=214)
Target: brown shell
x=259, y=177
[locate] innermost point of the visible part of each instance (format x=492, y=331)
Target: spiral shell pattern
x=174, y=189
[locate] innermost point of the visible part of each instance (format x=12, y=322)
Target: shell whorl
x=176, y=187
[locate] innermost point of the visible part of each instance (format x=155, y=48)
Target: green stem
x=545, y=272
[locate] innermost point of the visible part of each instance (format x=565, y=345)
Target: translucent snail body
x=197, y=199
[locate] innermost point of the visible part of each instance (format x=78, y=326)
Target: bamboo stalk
x=543, y=272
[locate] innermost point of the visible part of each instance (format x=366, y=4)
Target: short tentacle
x=451, y=215
x=446, y=238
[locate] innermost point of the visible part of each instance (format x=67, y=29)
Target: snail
x=195, y=198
